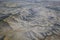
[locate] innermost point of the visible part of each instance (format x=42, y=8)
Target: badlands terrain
x=29, y=20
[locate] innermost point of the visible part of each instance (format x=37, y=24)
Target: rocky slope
x=29, y=21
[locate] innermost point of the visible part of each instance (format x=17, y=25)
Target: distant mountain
x=51, y=3
x=43, y=2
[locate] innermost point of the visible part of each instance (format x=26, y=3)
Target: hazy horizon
x=29, y=0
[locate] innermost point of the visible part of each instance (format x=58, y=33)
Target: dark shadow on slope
x=54, y=8
x=3, y=16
